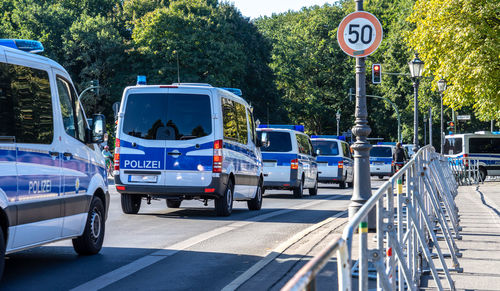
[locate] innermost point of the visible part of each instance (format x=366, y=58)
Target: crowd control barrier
x=467, y=169
x=415, y=208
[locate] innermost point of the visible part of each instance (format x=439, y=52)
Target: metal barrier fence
x=467, y=170
x=413, y=207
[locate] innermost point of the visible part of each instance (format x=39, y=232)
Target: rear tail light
x=217, y=167
x=117, y=155
x=466, y=160
x=341, y=164
x=121, y=188
x=294, y=164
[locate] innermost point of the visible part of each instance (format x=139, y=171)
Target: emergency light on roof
x=141, y=80
x=30, y=46
x=235, y=91
x=283, y=126
x=340, y=137
x=386, y=143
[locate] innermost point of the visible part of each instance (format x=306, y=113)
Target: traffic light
x=451, y=127
x=376, y=74
x=95, y=83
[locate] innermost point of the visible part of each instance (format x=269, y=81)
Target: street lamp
x=441, y=88
x=338, y=121
x=416, y=69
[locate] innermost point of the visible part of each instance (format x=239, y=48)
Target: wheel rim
x=95, y=225
x=229, y=199
x=259, y=193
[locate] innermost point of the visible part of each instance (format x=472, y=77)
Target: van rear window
x=275, y=141
x=326, y=148
x=381, y=152
x=452, y=146
x=168, y=116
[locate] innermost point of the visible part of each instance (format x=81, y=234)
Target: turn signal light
x=294, y=164
x=217, y=159
x=341, y=164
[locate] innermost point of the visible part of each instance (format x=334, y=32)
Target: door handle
x=66, y=154
x=54, y=154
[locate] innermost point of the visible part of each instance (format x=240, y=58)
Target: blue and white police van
x=335, y=163
x=289, y=159
x=482, y=145
x=52, y=178
x=186, y=141
x=381, y=157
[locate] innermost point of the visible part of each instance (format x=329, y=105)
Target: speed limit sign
x=359, y=34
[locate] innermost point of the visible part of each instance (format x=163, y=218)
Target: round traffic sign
x=359, y=34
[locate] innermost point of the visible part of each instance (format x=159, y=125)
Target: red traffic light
x=376, y=74
x=376, y=67
x=452, y=123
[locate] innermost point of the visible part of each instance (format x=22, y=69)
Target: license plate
x=142, y=178
x=269, y=164
x=378, y=163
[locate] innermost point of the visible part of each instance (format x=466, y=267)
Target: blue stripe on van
x=282, y=159
x=331, y=160
x=387, y=161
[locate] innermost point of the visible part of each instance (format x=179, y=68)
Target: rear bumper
x=381, y=173
x=214, y=190
x=331, y=179
x=292, y=182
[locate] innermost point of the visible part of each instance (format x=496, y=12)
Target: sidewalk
x=479, y=209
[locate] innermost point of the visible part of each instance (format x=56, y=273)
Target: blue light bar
x=141, y=80
x=235, y=91
x=30, y=46
x=283, y=126
x=339, y=137
x=386, y=143
x=495, y=132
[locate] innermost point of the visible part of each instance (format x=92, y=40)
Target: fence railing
x=414, y=208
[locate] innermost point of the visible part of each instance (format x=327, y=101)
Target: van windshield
x=168, y=116
x=275, y=141
x=326, y=148
x=381, y=152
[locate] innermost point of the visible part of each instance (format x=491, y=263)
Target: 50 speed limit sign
x=359, y=34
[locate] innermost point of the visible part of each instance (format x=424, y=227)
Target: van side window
x=229, y=119
x=26, y=104
x=303, y=143
x=252, y=126
x=71, y=110
x=346, y=151
x=484, y=145
x=241, y=115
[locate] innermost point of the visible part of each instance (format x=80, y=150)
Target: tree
x=460, y=41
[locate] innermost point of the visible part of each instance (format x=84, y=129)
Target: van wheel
x=2, y=252
x=224, y=204
x=173, y=203
x=90, y=242
x=314, y=191
x=256, y=202
x=482, y=173
x=342, y=185
x=298, y=192
x=381, y=177
x=350, y=184
x=131, y=203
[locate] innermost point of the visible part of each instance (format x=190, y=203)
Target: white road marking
x=146, y=261
x=236, y=283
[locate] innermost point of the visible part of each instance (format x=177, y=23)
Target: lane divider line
x=148, y=260
x=236, y=283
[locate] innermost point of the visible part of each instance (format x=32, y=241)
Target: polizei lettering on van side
x=142, y=164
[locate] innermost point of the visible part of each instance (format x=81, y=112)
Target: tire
x=298, y=192
x=482, y=174
x=224, y=204
x=350, y=184
x=256, y=202
x=131, y=203
x=2, y=252
x=90, y=242
x=314, y=191
x=342, y=185
x=381, y=177
x=173, y=203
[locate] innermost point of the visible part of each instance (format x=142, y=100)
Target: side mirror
x=98, y=128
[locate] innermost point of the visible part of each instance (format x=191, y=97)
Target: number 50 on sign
x=359, y=34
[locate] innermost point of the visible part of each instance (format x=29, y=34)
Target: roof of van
x=281, y=129
x=326, y=139
x=478, y=134
x=37, y=57
x=190, y=86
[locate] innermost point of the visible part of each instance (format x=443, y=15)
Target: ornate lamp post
x=338, y=122
x=441, y=88
x=416, y=69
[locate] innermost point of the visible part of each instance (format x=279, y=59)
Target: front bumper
x=214, y=190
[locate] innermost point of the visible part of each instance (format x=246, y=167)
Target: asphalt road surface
x=175, y=249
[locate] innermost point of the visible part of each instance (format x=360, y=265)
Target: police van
x=484, y=146
x=186, y=141
x=52, y=178
x=381, y=160
x=289, y=159
x=335, y=163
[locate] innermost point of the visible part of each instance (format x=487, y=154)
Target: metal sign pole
x=362, y=183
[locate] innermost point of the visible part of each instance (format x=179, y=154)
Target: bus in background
x=485, y=146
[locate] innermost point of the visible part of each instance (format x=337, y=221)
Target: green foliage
x=460, y=41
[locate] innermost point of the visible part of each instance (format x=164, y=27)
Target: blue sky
x=256, y=8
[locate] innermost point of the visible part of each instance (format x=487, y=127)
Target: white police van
x=335, y=163
x=289, y=159
x=381, y=160
x=484, y=146
x=52, y=178
x=186, y=141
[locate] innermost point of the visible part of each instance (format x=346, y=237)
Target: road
x=175, y=249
